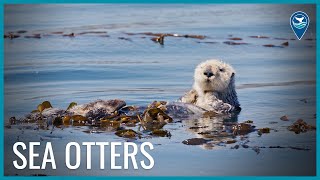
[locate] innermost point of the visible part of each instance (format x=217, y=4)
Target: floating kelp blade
x=46, y=104
x=40, y=108
x=108, y=123
x=301, y=126
x=154, y=118
x=57, y=121
x=242, y=129
x=71, y=105
x=66, y=120
x=78, y=118
x=161, y=133
x=127, y=133
x=195, y=141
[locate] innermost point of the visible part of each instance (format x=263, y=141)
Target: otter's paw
x=226, y=108
x=222, y=107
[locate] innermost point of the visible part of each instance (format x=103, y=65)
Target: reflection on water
x=216, y=130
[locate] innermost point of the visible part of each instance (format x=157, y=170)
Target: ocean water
x=271, y=81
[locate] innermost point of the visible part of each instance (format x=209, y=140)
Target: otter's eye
x=221, y=70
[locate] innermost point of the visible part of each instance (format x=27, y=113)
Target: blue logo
x=299, y=22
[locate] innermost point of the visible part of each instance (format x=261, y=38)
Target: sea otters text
x=121, y=155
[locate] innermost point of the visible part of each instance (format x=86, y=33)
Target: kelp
x=57, y=121
x=159, y=39
x=124, y=38
x=284, y=118
x=230, y=141
x=21, y=31
x=71, y=105
x=154, y=116
x=161, y=133
x=41, y=107
x=263, y=130
x=272, y=45
x=46, y=104
x=172, y=34
x=69, y=35
x=195, y=141
x=301, y=126
x=92, y=32
x=242, y=128
x=120, y=118
x=235, y=39
x=152, y=119
x=11, y=35
x=66, y=120
x=36, y=36
x=128, y=133
x=248, y=121
x=234, y=43
x=78, y=118
x=111, y=124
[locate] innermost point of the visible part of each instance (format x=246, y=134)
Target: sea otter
x=214, y=87
x=213, y=90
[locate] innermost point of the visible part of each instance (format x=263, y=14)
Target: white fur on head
x=218, y=82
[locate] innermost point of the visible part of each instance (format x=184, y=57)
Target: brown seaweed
x=92, y=32
x=22, y=31
x=78, y=118
x=71, y=105
x=281, y=38
x=198, y=127
x=230, y=141
x=161, y=133
x=235, y=39
x=272, y=45
x=207, y=42
x=11, y=35
x=284, y=118
x=154, y=116
x=36, y=36
x=12, y=120
x=301, y=126
x=248, y=121
x=57, y=121
x=264, y=130
x=69, y=35
x=159, y=39
x=195, y=141
x=124, y=38
x=57, y=32
x=127, y=133
x=41, y=107
x=242, y=128
x=169, y=34
x=234, y=43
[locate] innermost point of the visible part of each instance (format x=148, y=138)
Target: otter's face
x=213, y=75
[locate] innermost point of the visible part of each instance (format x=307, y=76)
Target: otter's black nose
x=208, y=73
